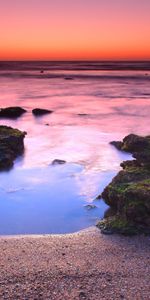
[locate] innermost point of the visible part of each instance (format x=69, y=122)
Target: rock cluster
x=11, y=145
x=14, y=112
x=129, y=192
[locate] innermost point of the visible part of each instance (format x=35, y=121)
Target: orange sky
x=74, y=29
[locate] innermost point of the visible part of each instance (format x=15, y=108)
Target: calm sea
x=93, y=103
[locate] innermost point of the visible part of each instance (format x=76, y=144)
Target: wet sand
x=84, y=265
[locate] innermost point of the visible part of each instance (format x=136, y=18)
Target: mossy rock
x=129, y=192
x=120, y=225
x=11, y=145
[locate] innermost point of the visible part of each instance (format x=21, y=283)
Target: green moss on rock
x=129, y=192
x=11, y=145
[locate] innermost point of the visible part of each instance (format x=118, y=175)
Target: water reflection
x=89, y=112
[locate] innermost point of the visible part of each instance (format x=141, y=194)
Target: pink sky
x=81, y=29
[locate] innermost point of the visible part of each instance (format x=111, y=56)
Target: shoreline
x=81, y=231
x=81, y=265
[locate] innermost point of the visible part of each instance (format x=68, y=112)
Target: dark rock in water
x=41, y=111
x=58, y=162
x=68, y=78
x=117, y=144
x=99, y=197
x=133, y=143
x=11, y=145
x=129, y=192
x=11, y=112
x=130, y=164
x=137, y=145
x=90, y=206
x=82, y=115
x=42, y=71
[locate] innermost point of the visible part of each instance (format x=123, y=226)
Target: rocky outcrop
x=129, y=192
x=11, y=145
x=12, y=112
x=41, y=111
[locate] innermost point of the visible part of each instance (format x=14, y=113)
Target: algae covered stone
x=11, y=145
x=129, y=192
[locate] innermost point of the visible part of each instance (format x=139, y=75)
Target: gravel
x=84, y=265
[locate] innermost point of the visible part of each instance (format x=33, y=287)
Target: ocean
x=93, y=103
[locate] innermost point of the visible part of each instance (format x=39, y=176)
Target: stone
x=68, y=78
x=41, y=111
x=90, y=206
x=12, y=112
x=11, y=146
x=58, y=162
x=82, y=115
x=129, y=192
x=117, y=144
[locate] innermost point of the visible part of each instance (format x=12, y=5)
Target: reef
x=11, y=146
x=128, y=195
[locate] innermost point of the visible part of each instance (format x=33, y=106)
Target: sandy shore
x=84, y=265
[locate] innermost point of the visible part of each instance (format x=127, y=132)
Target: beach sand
x=83, y=265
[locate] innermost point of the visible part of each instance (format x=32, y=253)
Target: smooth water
x=91, y=110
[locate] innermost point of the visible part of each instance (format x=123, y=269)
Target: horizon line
x=75, y=60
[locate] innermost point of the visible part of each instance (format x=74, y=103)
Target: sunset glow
x=63, y=29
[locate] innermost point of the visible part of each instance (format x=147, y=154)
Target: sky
x=74, y=29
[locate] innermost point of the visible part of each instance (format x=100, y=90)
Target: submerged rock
x=90, y=206
x=41, y=111
x=82, y=115
x=11, y=145
x=68, y=78
x=11, y=112
x=129, y=192
x=58, y=162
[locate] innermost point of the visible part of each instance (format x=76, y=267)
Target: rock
x=41, y=111
x=58, y=162
x=11, y=145
x=130, y=164
x=134, y=143
x=11, y=112
x=82, y=115
x=90, y=206
x=117, y=144
x=82, y=295
x=99, y=197
x=107, y=231
x=129, y=192
x=68, y=78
